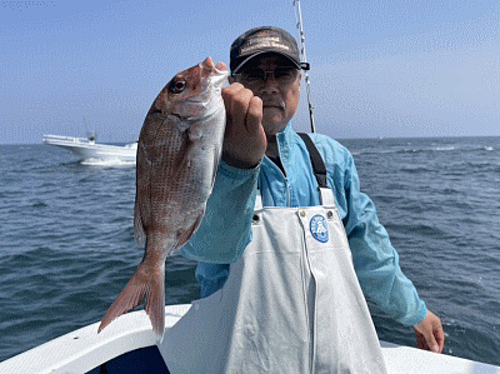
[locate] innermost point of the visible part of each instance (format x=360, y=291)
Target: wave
x=111, y=162
x=442, y=148
x=448, y=148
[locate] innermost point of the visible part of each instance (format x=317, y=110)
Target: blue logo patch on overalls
x=319, y=228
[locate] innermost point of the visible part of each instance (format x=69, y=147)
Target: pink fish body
x=177, y=158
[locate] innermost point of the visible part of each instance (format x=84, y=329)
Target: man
x=277, y=278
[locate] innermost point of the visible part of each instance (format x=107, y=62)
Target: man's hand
x=245, y=141
x=429, y=333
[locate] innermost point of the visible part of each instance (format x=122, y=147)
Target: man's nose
x=269, y=85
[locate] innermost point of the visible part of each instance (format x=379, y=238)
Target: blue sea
x=67, y=246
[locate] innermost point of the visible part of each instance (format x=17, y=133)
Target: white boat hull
x=87, y=149
x=84, y=351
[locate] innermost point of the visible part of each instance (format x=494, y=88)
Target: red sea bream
x=177, y=158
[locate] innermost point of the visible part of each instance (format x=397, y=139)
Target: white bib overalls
x=291, y=304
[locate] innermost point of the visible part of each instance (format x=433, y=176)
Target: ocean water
x=67, y=246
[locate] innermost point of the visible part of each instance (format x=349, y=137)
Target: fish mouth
x=208, y=64
x=215, y=74
x=212, y=78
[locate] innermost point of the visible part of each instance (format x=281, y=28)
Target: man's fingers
x=254, y=116
x=228, y=92
x=421, y=344
x=430, y=338
x=244, y=139
x=228, y=95
x=239, y=109
x=237, y=100
x=432, y=331
x=439, y=334
x=431, y=341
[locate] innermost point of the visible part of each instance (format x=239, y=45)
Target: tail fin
x=149, y=281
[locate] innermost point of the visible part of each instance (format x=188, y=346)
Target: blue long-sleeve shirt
x=225, y=230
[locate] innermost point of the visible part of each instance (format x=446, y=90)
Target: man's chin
x=272, y=115
x=272, y=128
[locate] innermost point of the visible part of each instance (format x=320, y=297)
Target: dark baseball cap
x=260, y=40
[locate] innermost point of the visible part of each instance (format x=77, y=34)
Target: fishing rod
x=304, y=64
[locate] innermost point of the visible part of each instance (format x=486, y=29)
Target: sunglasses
x=280, y=74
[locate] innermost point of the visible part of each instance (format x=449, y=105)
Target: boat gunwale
x=83, y=350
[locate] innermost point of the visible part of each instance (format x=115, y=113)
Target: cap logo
x=261, y=40
x=264, y=42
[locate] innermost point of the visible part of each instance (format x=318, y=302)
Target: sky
x=384, y=68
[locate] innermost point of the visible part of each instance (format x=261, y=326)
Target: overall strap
x=319, y=169
x=316, y=160
x=258, y=201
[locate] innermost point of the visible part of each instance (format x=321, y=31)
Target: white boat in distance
x=87, y=148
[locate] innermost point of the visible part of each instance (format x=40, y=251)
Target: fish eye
x=177, y=87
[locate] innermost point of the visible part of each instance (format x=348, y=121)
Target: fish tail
x=155, y=302
x=147, y=281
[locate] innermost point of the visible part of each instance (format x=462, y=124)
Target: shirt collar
x=284, y=141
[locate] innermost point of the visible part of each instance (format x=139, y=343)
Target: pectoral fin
x=185, y=235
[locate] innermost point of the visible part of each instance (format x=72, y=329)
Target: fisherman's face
x=276, y=81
